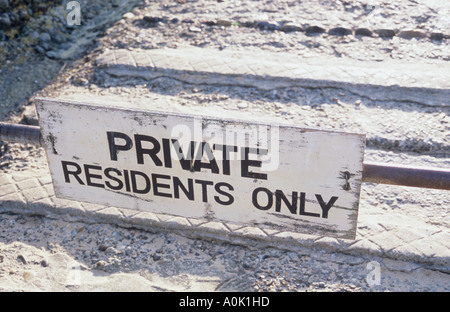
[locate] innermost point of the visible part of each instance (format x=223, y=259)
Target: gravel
x=40, y=254
x=36, y=42
x=293, y=27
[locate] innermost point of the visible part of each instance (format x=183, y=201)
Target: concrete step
x=386, y=234
x=425, y=84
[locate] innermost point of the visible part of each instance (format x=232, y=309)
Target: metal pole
x=435, y=178
x=20, y=133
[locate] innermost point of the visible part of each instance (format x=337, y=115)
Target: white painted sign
x=271, y=176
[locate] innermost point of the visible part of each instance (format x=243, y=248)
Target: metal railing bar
x=434, y=178
x=20, y=133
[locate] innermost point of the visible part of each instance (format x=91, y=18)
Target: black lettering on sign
x=302, y=207
x=325, y=207
x=255, y=200
x=246, y=163
x=188, y=192
x=282, y=200
x=218, y=188
x=211, y=164
x=89, y=175
x=167, y=155
x=114, y=148
x=171, y=187
x=119, y=182
x=127, y=181
x=159, y=151
x=134, y=182
x=185, y=161
x=279, y=195
x=152, y=152
x=157, y=185
x=204, y=184
x=226, y=157
x=138, y=182
x=75, y=173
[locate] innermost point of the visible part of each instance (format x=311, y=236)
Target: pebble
x=28, y=275
x=112, y=250
x=100, y=264
x=128, y=15
x=247, y=24
x=44, y=263
x=223, y=22
x=340, y=31
x=210, y=23
x=242, y=105
x=115, y=3
x=385, y=33
x=290, y=27
x=265, y=25
x=5, y=21
x=81, y=81
x=437, y=36
x=14, y=18
x=58, y=37
x=103, y=247
x=314, y=30
x=4, y=5
x=22, y=259
x=363, y=32
x=410, y=34
x=152, y=21
x=194, y=29
x=45, y=40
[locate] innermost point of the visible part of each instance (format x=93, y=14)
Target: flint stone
x=436, y=36
x=410, y=34
x=385, y=33
x=267, y=25
x=340, y=31
x=152, y=21
x=363, y=32
x=314, y=30
x=225, y=23
x=5, y=22
x=289, y=27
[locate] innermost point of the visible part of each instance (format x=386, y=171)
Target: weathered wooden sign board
x=271, y=176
